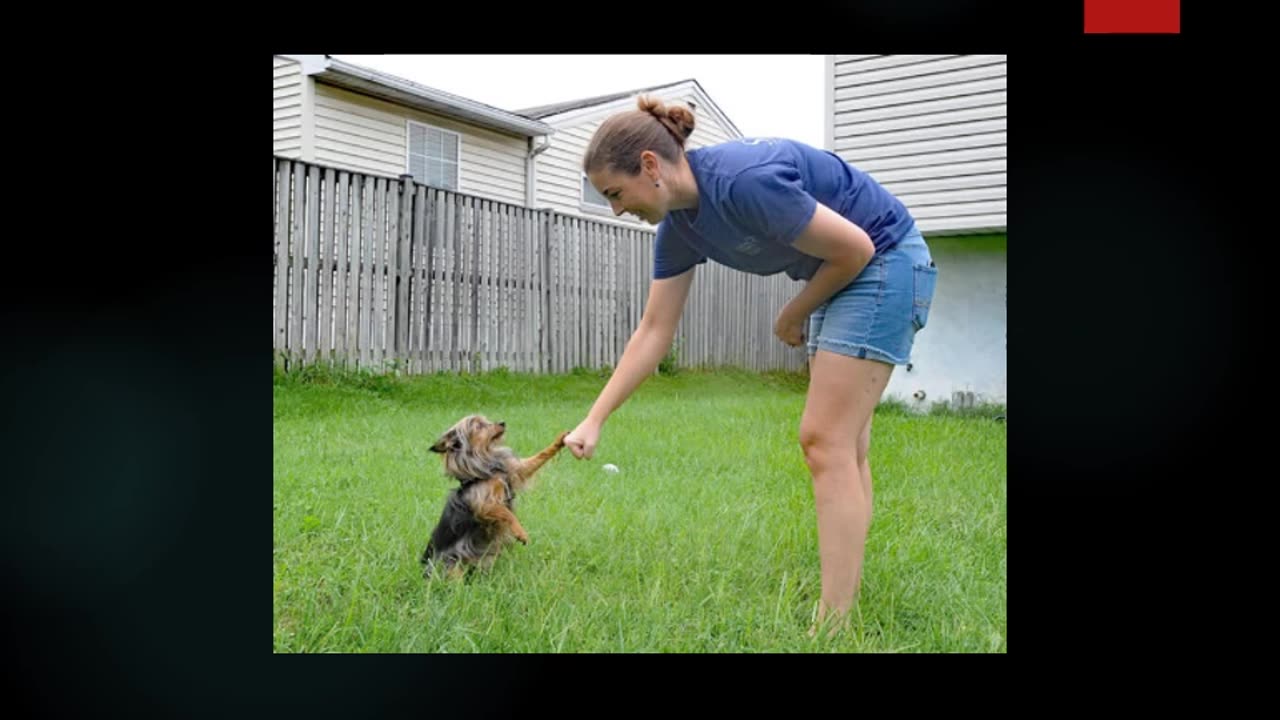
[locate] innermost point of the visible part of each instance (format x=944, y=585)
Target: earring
x=655, y=183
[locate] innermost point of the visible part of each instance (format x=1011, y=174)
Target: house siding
x=931, y=128
x=287, y=87
x=365, y=134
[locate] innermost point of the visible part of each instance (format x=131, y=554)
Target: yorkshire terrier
x=479, y=518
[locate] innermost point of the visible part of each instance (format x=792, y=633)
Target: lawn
x=705, y=541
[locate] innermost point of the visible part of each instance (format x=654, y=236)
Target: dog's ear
x=447, y=442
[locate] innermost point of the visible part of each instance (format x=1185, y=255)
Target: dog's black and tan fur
x=479, y=517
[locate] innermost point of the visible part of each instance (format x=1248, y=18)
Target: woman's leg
x=864, y=474
x=843, y=394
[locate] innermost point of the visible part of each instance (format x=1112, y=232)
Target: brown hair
x=655, y=126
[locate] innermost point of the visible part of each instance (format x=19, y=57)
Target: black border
x=139, y=413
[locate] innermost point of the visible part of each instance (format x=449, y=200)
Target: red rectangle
x=1132, y=16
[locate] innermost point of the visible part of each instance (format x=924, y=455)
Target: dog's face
x=472, y=435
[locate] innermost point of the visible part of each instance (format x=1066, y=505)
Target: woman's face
x=635, y=194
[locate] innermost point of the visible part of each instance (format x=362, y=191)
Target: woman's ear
x=649, y=164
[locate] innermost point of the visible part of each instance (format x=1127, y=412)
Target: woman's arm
x=646, y=348
x=845, y=250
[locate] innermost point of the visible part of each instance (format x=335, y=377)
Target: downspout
x=530, y=174
x=308, y=128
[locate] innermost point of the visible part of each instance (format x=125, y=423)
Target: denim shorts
x=878, y=315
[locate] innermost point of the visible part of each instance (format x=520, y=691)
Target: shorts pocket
x=926, y=280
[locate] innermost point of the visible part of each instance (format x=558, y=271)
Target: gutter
x=404, y=92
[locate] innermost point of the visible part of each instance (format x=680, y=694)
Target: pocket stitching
x=920, y=304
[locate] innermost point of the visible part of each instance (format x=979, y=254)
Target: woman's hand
x=789, y=327
x=582, y=440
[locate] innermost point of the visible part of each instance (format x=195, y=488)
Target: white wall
x=963, y=347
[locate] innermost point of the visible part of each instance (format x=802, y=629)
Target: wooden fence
x=376, y=272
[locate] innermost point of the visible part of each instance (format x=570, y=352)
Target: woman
x=765, y=206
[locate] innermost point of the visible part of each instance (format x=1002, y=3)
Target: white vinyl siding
x=367, y=134
x=931, y=128
x=287, y=87
x=560, y=180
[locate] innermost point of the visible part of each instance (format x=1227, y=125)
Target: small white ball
x=610, y=468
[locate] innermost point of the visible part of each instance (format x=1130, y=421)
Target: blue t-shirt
x=756, y=195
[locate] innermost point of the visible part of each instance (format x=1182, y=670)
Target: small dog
x=479, y=517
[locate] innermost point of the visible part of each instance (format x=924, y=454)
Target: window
x=433, y=156
x=590, y=197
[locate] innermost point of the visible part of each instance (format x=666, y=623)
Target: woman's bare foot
x=835, y=624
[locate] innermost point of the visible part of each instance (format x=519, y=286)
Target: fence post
x=296, y=243
x=282, y=225
x=544, y=257
x=401, y=352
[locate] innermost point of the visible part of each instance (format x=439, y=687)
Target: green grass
x=706, y=540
